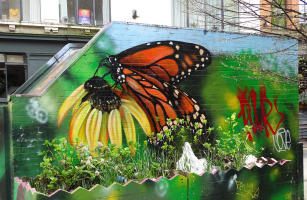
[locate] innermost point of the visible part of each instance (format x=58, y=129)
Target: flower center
x=105, y=100
x=101, y=95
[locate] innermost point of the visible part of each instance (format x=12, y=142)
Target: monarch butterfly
x=148, y=74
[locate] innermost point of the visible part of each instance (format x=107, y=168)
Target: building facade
x=32, y=31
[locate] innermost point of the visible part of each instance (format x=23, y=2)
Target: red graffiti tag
x=249, y=104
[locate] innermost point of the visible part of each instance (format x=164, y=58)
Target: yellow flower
x=100, y=112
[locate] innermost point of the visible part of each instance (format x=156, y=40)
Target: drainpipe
x=21, y=10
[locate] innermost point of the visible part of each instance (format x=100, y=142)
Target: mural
x=115, y=88
x=242, y=184
x=147, y=76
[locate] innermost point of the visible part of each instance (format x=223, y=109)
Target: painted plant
x=145, y=86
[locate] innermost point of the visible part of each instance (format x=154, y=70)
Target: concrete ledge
x=40, y=28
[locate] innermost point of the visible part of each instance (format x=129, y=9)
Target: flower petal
x=114, y=128
x=78, y=103
x=104, y=135
x=73, y=97
x=77, y=120
x=128, y=125
x=139, y=114
x=91, y=129
x=82, y=131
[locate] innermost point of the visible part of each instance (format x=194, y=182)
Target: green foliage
x=303, y=98
x=232, y=149
x=80, y=167
x=67, y=170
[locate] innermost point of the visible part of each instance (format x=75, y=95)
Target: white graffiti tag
x=161, y=187
x=282, y=140
x=36, y=112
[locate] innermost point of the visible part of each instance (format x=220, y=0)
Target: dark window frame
x=6, y=64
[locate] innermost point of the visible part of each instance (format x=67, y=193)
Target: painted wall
x=275, y=183
x=166, y=72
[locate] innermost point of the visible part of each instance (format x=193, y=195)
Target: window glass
x=278, y=16
x=63, y=15
x=214, y=7
x=49, y=11
x=15, y=77
x=31, y=10
x=71, y=15
x=2, y=84
x=12, y=74
x=85, y=12
x=98, y=13
x=10, y=10
x=15, y=59
x=2, y=58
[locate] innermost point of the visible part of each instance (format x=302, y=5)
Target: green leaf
x=235, y=124
x=46, y=143
x=233, y=116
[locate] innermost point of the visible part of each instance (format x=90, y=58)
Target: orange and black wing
x=168, y=61
x=163, y=100
x=150, y=71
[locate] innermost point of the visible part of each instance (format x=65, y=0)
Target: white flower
x=81, y=161
x=96, y=173
x=88, y=163
x=116, y=168
x=84, y=149
x=89, y=158
x=81, y=144
x=102, y=161
x=99, y=145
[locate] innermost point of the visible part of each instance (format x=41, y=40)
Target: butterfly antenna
x=109, y=72
x=100, y=65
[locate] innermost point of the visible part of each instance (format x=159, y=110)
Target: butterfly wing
x=168, y=61
x=162, y=100
x=150, y=71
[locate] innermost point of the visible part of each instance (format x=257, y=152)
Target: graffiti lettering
x=249, y=103
x=282, y=140
x=36, y=112
x=247, y=190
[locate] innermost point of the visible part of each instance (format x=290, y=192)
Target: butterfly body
x=150, y=72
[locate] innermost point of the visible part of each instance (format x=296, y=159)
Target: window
x=202, y=20
x=93, y=12
x=13, y=73
x=278, y=17
x=31, y=11
x=303, y=15
x=10, y=10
